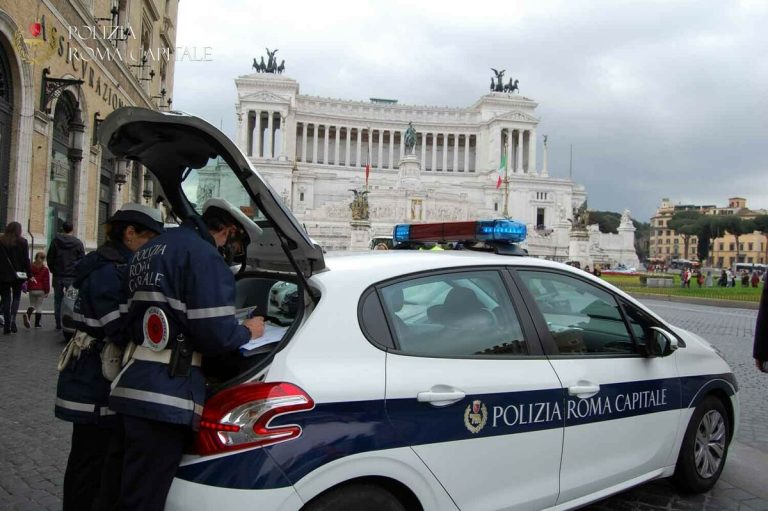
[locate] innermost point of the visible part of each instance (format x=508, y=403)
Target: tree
x=761, y=225
x=607, y=221
x=737, y=226
x=685, y=223
x=709, y=228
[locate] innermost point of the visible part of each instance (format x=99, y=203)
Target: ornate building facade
x=64, y=66
x=314, y=151
x=666, y=244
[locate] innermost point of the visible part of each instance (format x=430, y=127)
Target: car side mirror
x=662, y=343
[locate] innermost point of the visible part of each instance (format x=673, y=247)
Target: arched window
x=6, y=130
x=62, y=176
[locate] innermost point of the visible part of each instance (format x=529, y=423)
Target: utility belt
x=180, y=358
x=82, y=342
x=163, y=357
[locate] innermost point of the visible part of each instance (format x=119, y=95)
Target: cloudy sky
x=658, y=99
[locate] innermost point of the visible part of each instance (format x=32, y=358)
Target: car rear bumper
x=185, y=495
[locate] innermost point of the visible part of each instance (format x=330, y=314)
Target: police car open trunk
x=195, y=166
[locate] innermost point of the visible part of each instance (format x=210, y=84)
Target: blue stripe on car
x=334, y=430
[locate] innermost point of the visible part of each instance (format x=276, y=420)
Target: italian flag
x=500, y=171
x=367, y=172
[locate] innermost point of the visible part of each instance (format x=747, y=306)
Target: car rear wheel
x=705, y=447
x=363, y=497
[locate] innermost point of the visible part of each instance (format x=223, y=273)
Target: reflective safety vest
x=82, y=392
x=178, y=284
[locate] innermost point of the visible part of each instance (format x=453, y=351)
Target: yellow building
x=64, y=66
x=666, y=244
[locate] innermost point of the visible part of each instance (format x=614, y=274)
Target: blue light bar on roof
x=501, y=230
x=505, y=231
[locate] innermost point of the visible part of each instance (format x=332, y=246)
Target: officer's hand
x=256, y=326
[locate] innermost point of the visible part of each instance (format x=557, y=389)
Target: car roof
x=378, y=265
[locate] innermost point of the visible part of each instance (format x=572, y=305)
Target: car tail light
x=238, y=417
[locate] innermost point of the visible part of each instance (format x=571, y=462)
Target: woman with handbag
x=92, y=476
x=14, y=272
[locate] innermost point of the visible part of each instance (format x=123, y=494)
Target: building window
x=751, y=246
x=741, y=247
x=62, y=173
x=6, y=130
x=495, y=206
x=301, y=196
x=667, y=251
x=731, y=246
x=540, y=218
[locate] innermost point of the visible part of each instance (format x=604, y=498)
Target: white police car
x=429, y=380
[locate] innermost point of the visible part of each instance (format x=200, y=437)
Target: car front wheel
x=354, y=497
x=705, y=447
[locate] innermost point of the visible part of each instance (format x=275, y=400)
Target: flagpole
x=368, y=157
x=506, y=184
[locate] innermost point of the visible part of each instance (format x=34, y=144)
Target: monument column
x=283, y=135
x=402, y=144
x=445, y=152
x=338, y=145
x=327, y=134
x=423, y=149
x=519, y=150
x=359, y=146
x=381, y=149
x=270, y=135
x=256, y=136
x=510, y=151
x=315, y=135
x=466, y=152
x=349, y=145
x=532, y=151
x=304, y=143
x=455, y=152
x=391, y=149
x=434, y=152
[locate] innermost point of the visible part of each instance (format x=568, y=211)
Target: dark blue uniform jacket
x=82, y=391
x=182, y=273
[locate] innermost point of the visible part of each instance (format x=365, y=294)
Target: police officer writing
x=82, y=391
x=180, y=307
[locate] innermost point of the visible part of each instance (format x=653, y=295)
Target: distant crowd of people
x=727, y=278
x=20, y=275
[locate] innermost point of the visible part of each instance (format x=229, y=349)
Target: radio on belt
x=181, y=358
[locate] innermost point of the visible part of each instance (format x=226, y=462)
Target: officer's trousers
x=153, y=451
x=82, y=477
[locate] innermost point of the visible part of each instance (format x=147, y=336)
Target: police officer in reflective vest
x=180, y=307
x=83, y=388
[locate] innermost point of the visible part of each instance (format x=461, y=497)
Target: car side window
x=582, y=318
x=456, y=314
x=640, y=323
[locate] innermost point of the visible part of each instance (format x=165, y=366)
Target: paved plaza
x=34, y=445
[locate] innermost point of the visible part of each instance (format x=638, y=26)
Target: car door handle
x=440, y=395
x=584, y=390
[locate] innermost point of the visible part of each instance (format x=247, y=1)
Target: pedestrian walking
x=38, y=287
x=176, y=320
x=755, y=279
x=63, y=254
x=699, y=278
x=760, y=350
x=14, y=272
x=723, y=280
x=92, y=476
